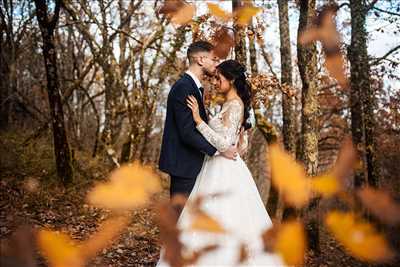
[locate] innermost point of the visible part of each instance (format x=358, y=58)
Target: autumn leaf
x=183, y=15
x=243, y=253
x=171, y=6
x=358, y=237
x=346, y=161
x=380, y=204
x=327, y=185
x=223, y=42
x=59, y=249
x=288, y=240
x=289, y=177
x=244, y=14
x=130, y=186
x=178, y=11
x=218, y=12
x=204, y=222
x=324, y=30
x=107, y=232
x=169, y=233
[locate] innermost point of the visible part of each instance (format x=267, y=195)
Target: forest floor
x=54, y=207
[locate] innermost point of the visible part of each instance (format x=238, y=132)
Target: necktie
x=202, y=91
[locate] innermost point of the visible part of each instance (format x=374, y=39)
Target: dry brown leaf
x=269, y=238
x=223, y=42
x=346, y=161
x=336, y=66
x=130, y=186
x=324, y=30
x=243, y=253
x=169, y=233
x=358, y=237
x=380, y=204
x=171, y=6
x=289, y=177
x=204, y=222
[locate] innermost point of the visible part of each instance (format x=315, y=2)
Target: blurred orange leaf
x=108, y=231
x=223, y=42
x=380, y=204
x=204, y=222
x=184, y=14
x=218, y=12
x=327, y=185
x=289, y=177
x=291, y=242
x=324, y=30
x=59, y=249
x=244, y=14
x=130, y=186
x=359, y=237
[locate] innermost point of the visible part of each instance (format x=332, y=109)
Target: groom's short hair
x=196, y=47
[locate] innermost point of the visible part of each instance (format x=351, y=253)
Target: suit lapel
x=199, y=97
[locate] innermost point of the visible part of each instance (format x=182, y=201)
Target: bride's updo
x=234, y=71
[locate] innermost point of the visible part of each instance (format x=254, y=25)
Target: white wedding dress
x=240, y=211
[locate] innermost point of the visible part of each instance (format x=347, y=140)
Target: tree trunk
x=61, y=147
x=252, y=50
x=307, y=63
x=240, y=37
x=362, y=97
x=288, y=102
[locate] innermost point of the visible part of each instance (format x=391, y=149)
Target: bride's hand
x=194, y=106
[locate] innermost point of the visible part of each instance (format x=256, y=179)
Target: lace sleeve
x=231, y=119
x=243, y=143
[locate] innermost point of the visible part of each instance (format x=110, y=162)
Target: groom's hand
x=231, y=153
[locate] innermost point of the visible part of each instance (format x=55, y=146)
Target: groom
x=183, y=147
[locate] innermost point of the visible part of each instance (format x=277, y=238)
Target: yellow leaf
x=244, y=14
x=129, y=187
x=59, y=249
x=183, y=15
x=359, y=237
x=327, y=185
x=291, y=242
x=380, y=204
x=204, y=222
x=108, y=231
x=218, y=12
x=289, y=177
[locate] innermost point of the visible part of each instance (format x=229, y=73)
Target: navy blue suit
x=183, y=147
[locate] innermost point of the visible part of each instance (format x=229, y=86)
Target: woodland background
x=83, y=87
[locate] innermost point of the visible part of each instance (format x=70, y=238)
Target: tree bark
x=61, y=147
x=307, y=63
x=240, y=37
x=288, y=102
x=362, y=97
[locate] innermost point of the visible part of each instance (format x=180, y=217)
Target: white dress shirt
x=196, y=80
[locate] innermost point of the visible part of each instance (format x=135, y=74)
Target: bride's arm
x=231, y=119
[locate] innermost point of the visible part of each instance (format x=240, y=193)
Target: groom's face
x=208, y=61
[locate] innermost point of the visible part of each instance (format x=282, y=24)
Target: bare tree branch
x=378, y=60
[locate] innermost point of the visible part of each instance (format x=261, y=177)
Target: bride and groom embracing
x=202, y=157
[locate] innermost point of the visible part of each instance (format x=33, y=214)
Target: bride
x=240, y=211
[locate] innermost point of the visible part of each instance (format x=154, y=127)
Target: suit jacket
x=183, y=147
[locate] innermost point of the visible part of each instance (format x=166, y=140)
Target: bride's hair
x=234, y=71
